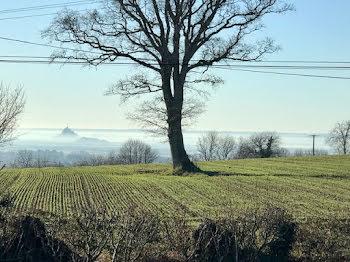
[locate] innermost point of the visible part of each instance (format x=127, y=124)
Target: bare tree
x=97, y=160
x=24, y=159
x=153, y=114
x=89, y=234
x=11, y=106
x=261, y=145
x=207, y=146
x=212, y=146
x=112, y=158
x=226, y=147
x=136, y=229
x=136, y=152
x=245, y=149
x=339, y=137
x=41, y=159
x=171, y=39
x=38, y=159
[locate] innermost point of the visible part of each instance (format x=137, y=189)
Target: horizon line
x=185, y=131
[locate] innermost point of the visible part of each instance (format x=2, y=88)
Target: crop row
x=308, y=187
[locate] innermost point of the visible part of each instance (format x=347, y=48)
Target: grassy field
x=306, y=186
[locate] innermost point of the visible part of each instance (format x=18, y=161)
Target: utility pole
x=313, y=144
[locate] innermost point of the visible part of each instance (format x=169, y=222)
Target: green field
x=306, y=186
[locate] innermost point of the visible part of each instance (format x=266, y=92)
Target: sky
x=73, y=95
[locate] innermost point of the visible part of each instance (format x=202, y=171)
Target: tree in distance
x=339, y=137
x=11, y=106
x=226, y=148
x=310, y=152
x=261, y=145
x=207, y=146
x=12, y=103
x=24, y=159
x=131, y=152
x=212, y=146
x=175, y=41
x=136, y=152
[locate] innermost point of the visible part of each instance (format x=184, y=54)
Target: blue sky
x=73, y=95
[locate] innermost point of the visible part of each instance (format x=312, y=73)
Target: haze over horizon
x=146, y=130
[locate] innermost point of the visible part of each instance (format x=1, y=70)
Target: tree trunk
x=174, y=102
x=180, y=158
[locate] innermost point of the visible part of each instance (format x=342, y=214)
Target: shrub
x=327, y=240
x=26, y=239
x=134, y=236
x=266, y=235
x=88, y=234
x=177, y=234
x=261, y=145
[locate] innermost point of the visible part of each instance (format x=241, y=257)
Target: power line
x=230, y=66
x=217, y=65
x=49, y=6
x=263, y=61
x=47, y=14
x=47, y=45
x=226, y=66
x=58, y=62
x=304, y=61
x=288, y=67
x=24, y=56
x=289, y=74
x=28, y=16
x=132, y=63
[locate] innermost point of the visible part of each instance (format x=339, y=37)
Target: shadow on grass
x=148, y=171
x=323, y=176
x=216, y=173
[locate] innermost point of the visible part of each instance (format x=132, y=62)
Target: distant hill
x=73, y=137
x=67, y=132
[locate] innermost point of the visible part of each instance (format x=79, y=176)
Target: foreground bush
x=28, y=240
x=255, y=236
x=136, y=235
x=319, y=241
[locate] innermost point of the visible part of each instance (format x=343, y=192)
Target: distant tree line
x=310, y=152
x=132, y=152
x=213, y=146
x=339, y=137
x=39, y=158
